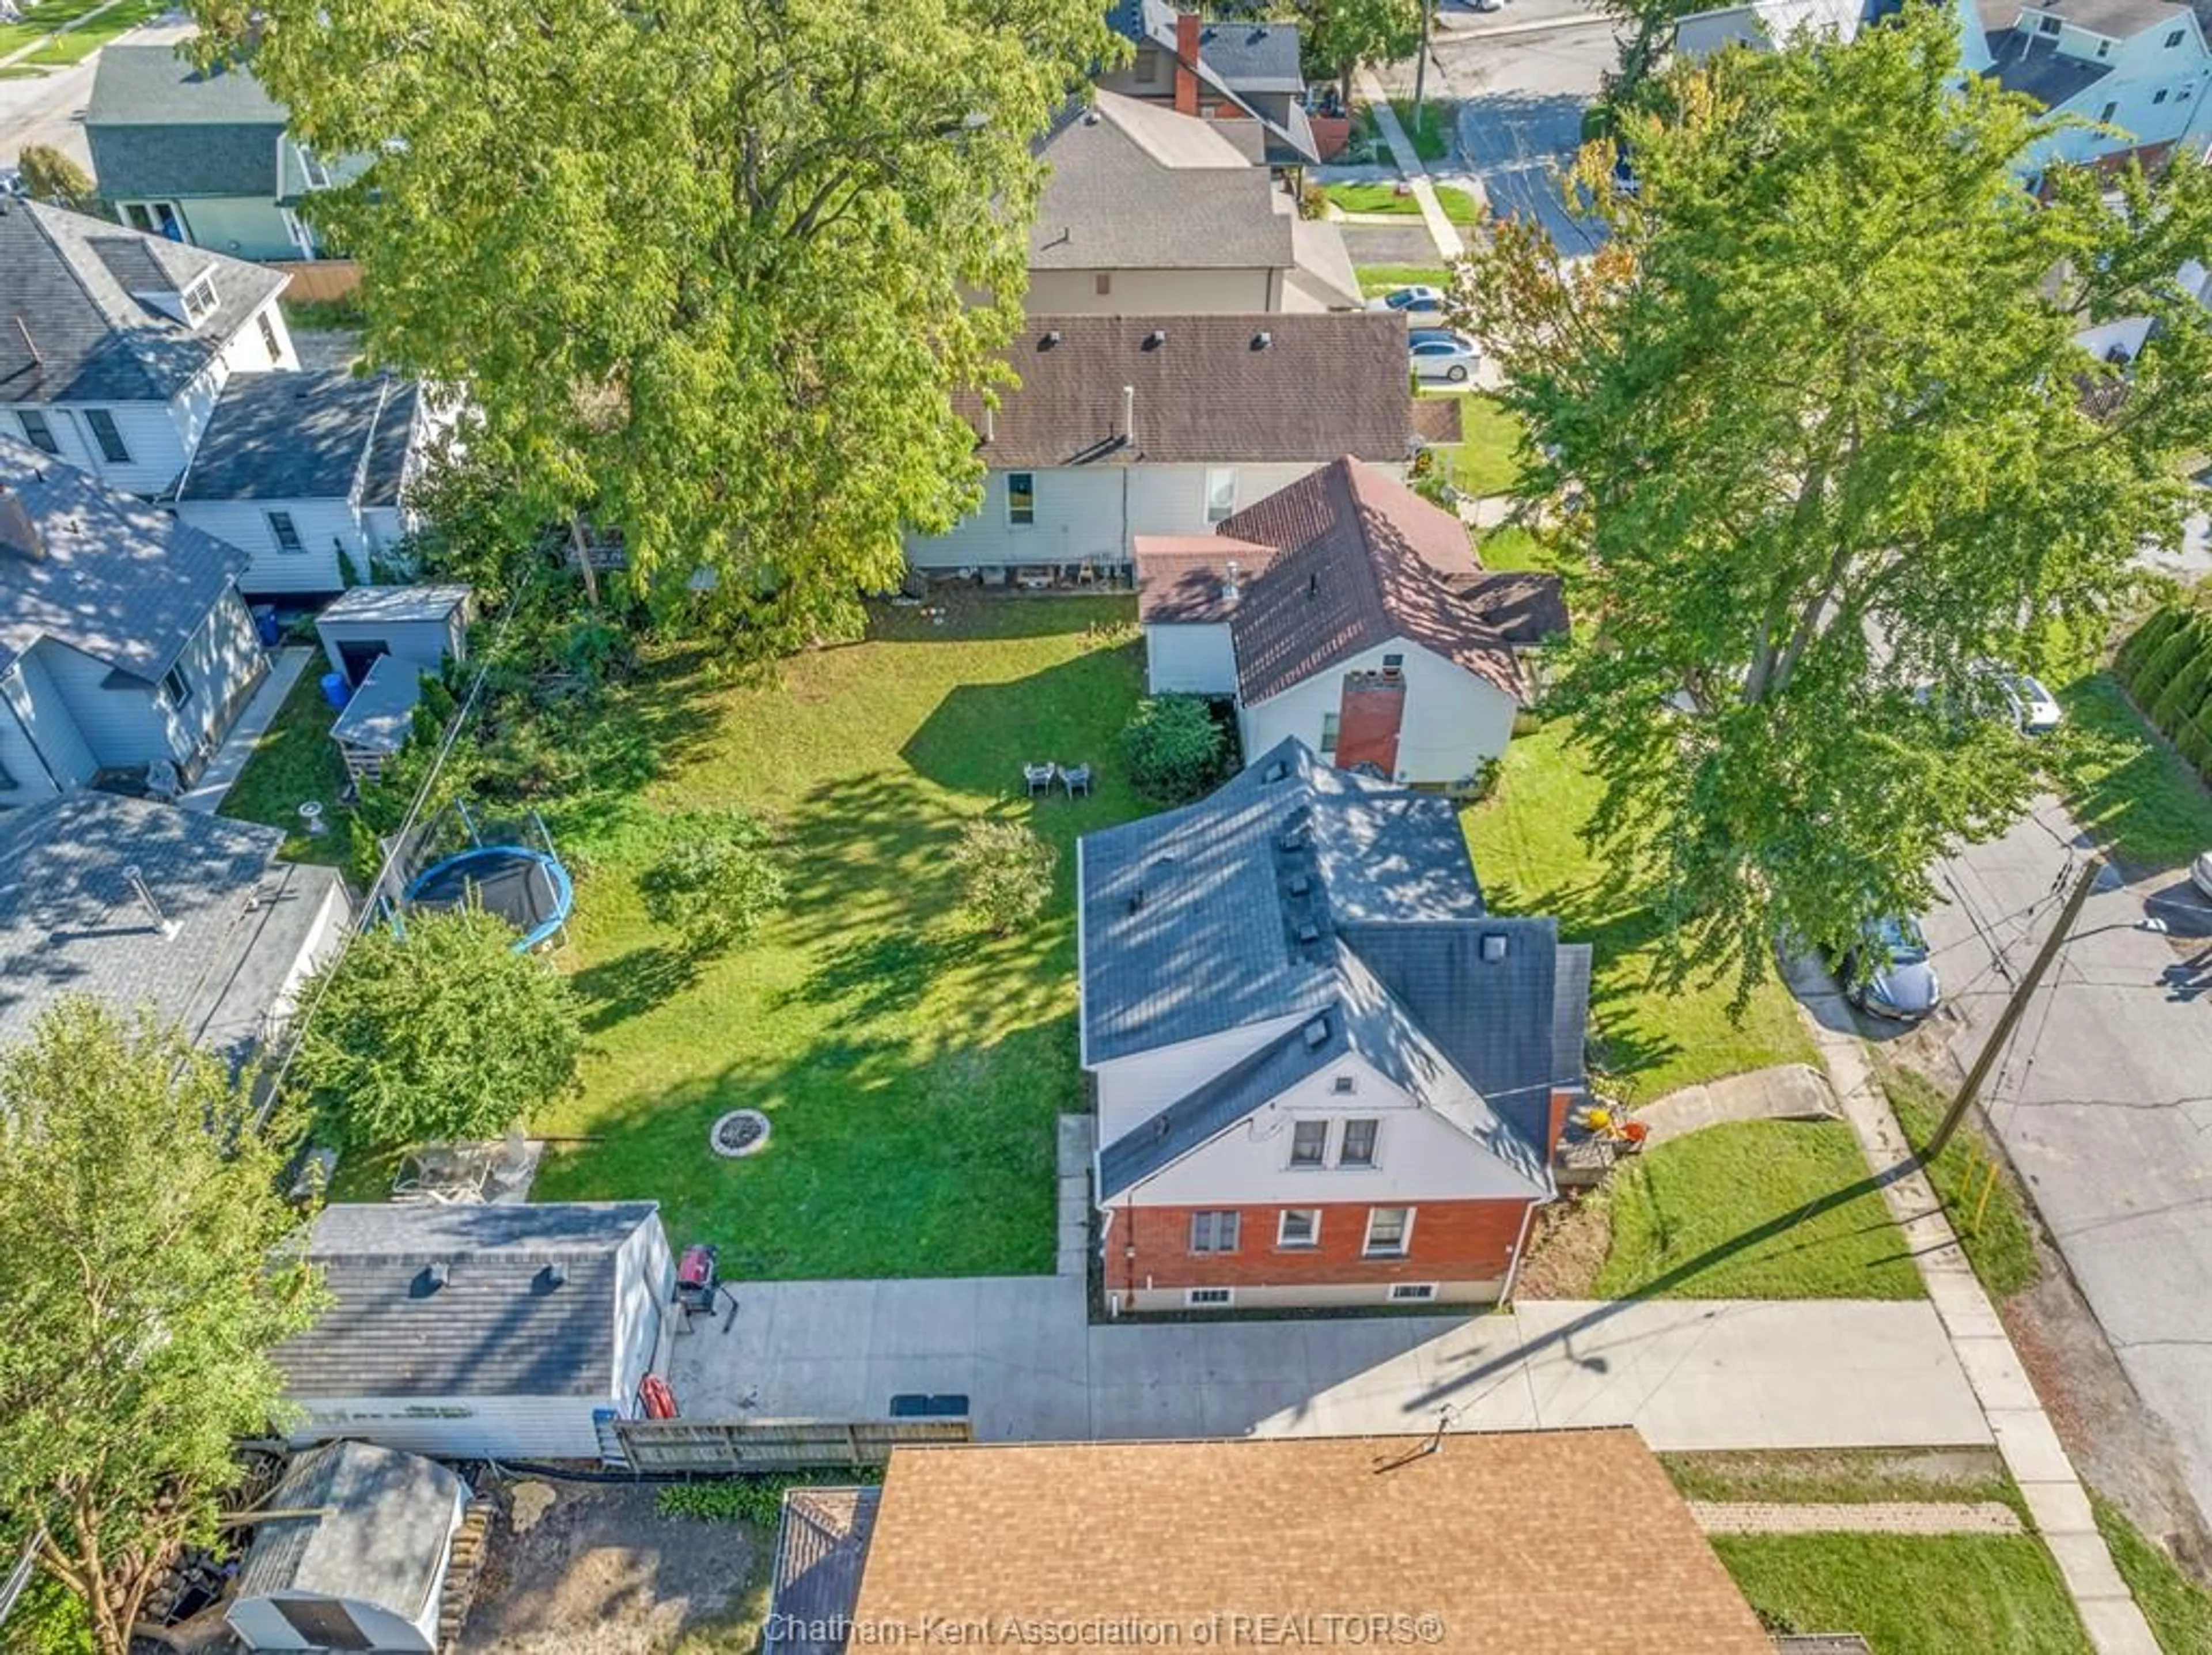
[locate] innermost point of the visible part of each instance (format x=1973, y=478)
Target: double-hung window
x=37, y=431
x=1309, y=1143
x=108, y=435
x=1298, y=1228
x=1220, y=494
x=1213, y=1231
x=287, y=533
x=1358, y=1148
x=1388, y=1230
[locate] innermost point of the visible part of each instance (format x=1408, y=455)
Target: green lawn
x=1382, y=278
x=1995, y=1232
x=40, y=20
x=2123, y=783
x=1754, y=1209
x=1485, y=459
x=1911, y=1594
x=1842, y=1476
x=1649, y=1038
x=912, y=1068
x=1513, y=548
x=76, y=44
x=1432, y=134
x=295, y=761
x=1385, y=198
x=2178, y=1610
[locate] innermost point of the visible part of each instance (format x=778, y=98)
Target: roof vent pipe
x=990, y=424
x=167, y=927
x=1129, y=414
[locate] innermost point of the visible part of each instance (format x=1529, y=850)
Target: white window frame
x=199, y=299
x=1332, y=728
x=269, y=341
x=1405, y=1247
x=1343, y=1086
x=176, y=687
x=158, y=216
x=1373, y=1144
x=1411, y=1293
x=121, y=454
x=1209, y=1299
x=1283, y=1242
x=318, y=175
x=1220, y=502
x=1320, y=1160
x=53, y=445
x=1029, y=520
x=298, y=546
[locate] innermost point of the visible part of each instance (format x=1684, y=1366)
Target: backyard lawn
x=294, y=762
x=1486, y=460
x=1911, y=1594
x=2123, y=783
x=1754, y=1209
x=1378, y=279
x=912, y=1068
x=1649, y=1038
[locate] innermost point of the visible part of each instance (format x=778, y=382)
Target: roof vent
x=1156, y=339
x=1313, y=585
x=1317, y=1031
x=553, y=1275
x=1276, y=772
x=1137, y=900
x=1493, y=947
x=1300, y=885
x=1309, y=934
x=428, y=1280
x=1263, y=339
x=1048, y=338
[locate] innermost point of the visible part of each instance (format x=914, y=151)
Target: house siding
x=1465, y=1249
x=1088, y=513
x=244, y=226
x=1189, y=658
x=121, y=725
x=221, y=663
x=1252, y=289
x=1453, y=721
x=1131, y=1090
x=427, y=644
x=645, y=1282
x=41, y=730
x=458, y=1428
x=326, y=527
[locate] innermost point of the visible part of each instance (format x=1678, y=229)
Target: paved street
x=2105, y=1101
x=50, y=108
x=1687, y=1374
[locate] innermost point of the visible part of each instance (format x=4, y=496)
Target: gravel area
x=1985, y=1517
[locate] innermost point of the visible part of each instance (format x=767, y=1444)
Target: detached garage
x=481, y=1332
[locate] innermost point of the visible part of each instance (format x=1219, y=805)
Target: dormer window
x=319, y=176
x=199, y=300
x=2048, y=25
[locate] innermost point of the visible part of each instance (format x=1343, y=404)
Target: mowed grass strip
x=2124, y=783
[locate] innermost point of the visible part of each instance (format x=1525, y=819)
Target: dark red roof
x=1185, y=577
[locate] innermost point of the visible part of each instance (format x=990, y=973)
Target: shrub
x=50, y=176
x=1173, y=747
x=2143, y=642
x=717, y=883
x=1006, y=873
x=2178, y=704
x=758, y=1501
x=2161, y=665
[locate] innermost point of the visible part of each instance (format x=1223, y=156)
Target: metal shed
x=379, y=717
x=423, y=623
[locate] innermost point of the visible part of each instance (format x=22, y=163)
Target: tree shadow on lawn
x=887, y=1157
x=978, y=738
x=633, y=984
x=970, y=616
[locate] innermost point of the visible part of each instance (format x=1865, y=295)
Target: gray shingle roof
x=1207, y=390
x=1255, y=55
x=109, y=575
x=1136, y=186
x=159, y=128
x=2022, y=64
x=386, y=605
x=379, y=715
x=69, y=332
x=821, y=1546
x=158, y=86
x=71, y=921
x=307, y=435
x=527, y=1307
x=382, y=1541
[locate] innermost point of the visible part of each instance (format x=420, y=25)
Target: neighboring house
x=123, y=641
x=114, y=345
x=383, y=640
x=308, y=472
x=1325, y=1073
x=475, y=1332
x=355, y=1558
x=200, y=156
x=1348, y=611
x=1466, y=1541
x=1768, y=25
x=1242, y=74
x=1146, y=210
x=2134, y=70
x=143, y=904
x=1129, y=425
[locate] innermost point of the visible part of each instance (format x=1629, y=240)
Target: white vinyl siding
x=125, y=722
x=458, y=1428
x=645, y=1279
x=1154, y=292
x=323, y=525
x=1454, y=721
x=1133, y=1089
x=1192, y=658
x=39, y=742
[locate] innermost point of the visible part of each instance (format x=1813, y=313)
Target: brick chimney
x=1186, y=69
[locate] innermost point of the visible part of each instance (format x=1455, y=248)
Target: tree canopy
x=1337, y=36
x=52, y=177
x=1827, y=448
x=445, y=1032
x=712, y=271
x=138, y=1214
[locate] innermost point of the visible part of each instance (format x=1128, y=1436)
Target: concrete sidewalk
x=1441, y=228
x=1687, y=1374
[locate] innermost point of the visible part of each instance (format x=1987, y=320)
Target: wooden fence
x=775, y=1445
x=318, y=281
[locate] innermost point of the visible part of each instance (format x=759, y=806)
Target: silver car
x=1889, y=974
x=1419, y=302
x=1438, y=354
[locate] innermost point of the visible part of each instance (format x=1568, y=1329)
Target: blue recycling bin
x=264, y=625
x=335, y=690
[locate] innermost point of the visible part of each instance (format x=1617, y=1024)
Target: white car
x=1417, y=302
x=2200, y=874
x=1436, y=354
x=2037, y=710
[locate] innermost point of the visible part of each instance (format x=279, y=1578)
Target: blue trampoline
x=525, y=884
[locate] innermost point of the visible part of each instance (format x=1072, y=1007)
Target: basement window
x=1204, y=1298
x=1404, y=1292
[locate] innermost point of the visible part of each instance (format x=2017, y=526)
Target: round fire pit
x=741, y=1132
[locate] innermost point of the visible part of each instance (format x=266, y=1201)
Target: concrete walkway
x=1687, y=1374
x=1978, y=1516
x=1786, y=1091
x=2030, y=1447
x=284, y=670
x=1440, y=229
x=1077, y=1136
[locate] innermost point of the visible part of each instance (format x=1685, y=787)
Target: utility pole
x=2015, y=1009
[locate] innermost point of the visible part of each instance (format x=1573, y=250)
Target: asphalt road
x=50, y=109
x=2103, y=1099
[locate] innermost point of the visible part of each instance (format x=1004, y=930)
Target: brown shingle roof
x=1484, y=1545
x=1182, y=577
x=1207, y=391
x=1364, y=560
x=1523, y=608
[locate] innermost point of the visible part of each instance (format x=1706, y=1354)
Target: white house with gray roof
x=201, y=154
x=474, y=1332
x=115, y=345
x=357, y=1557
x=308, y=473
x=2135, y=74
x=1326, y=1074
x=123, y=641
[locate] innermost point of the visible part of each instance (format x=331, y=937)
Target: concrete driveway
x=2105, y=1100
x=1688, y=1374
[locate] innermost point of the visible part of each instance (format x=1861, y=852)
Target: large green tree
x=442, y=1033
x=713, y=270
x=1826, y=442
x=138, y=1214
x=1337, y=36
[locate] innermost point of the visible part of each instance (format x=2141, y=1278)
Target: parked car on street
x=1887, y=972
x=1417, y=303
x=2200, y=874
x=1440, y=354
x=2034, y=708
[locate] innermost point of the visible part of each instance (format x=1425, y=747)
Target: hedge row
x=2167, y=668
